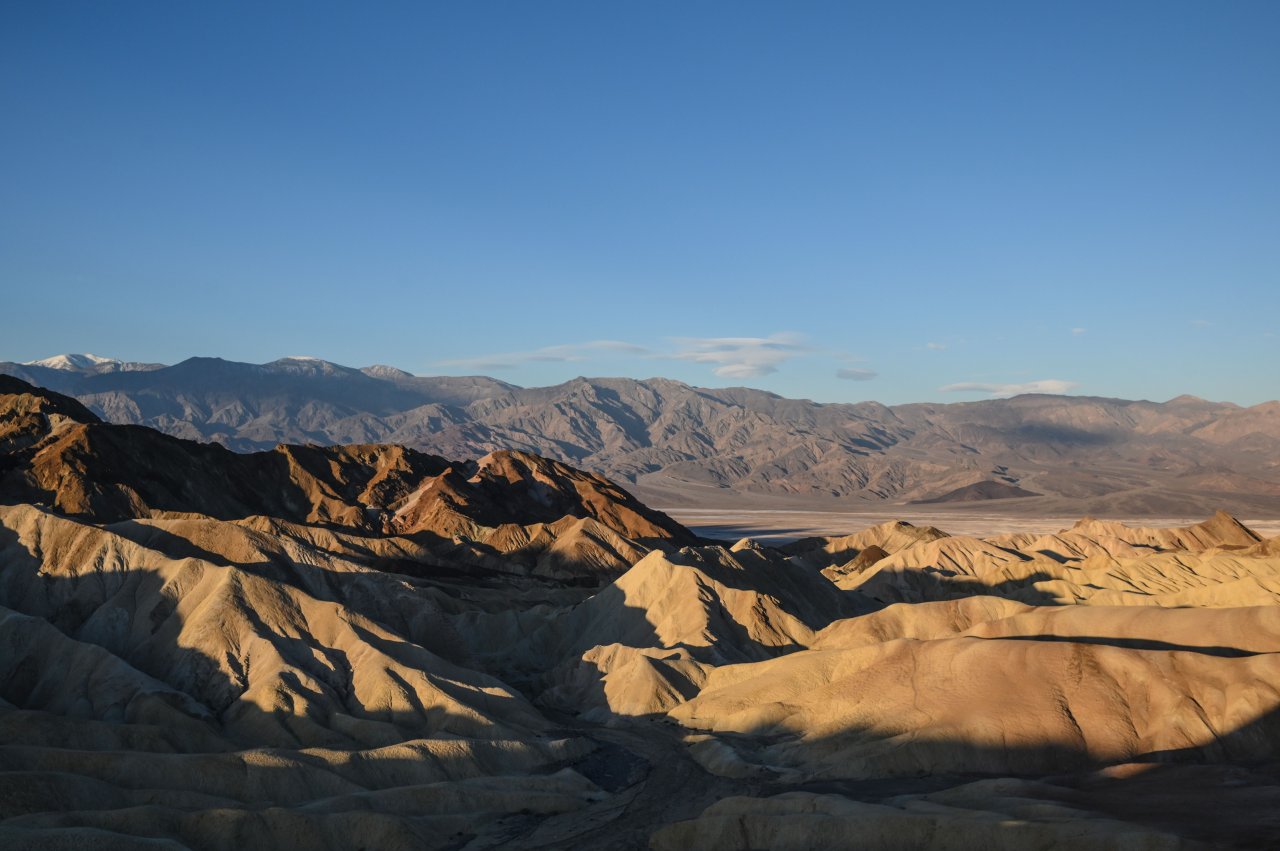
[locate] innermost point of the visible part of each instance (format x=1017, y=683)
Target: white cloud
x=1000, y=391
x=937, y=347
x=729, y=357
x=1078, y=331
x=854, y=374
x=739, y=357
x=566, y=353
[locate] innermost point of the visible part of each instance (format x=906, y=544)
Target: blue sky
x=840, y=201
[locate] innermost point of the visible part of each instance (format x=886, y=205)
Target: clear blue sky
x=989, y=195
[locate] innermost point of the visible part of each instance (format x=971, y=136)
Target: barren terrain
x=787, y=524
x=368, y=646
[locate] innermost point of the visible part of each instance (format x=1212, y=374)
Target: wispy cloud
x=937, y=347
x=1079, y=331
x=728, y=357
x=740, y=357
x=1000, y=391
x=566, y=353
x=855, y=374
x=1200, y=323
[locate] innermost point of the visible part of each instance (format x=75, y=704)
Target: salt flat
x=784, y=524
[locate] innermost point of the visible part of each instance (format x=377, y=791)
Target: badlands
x=368, y=646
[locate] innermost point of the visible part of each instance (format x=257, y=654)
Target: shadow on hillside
x=1057, y=435
x=1221, y=651
x=135, y=614
x=931, y=584
x=1227, y=792
x=308, y=747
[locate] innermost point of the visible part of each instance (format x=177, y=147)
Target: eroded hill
x=366, y=646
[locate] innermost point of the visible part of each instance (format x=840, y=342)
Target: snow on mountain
x=91, y=364
x=74, y=363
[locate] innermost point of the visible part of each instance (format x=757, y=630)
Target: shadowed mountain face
x=682, y=444
x=368, y=646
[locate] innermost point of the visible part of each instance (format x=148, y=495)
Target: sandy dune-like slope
x=366, y=647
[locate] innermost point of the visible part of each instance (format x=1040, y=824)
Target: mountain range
x=674, y=444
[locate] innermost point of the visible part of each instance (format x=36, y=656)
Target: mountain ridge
x=667, y=439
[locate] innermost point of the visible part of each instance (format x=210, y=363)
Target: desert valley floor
x=365, y=646
x=784, y=525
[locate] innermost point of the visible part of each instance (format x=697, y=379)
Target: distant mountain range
x=676, y=444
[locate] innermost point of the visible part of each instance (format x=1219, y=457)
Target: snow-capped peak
x=306, y=365
x=73, y=362
x=87, y=364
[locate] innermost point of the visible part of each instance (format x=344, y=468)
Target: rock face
x=681, y=444
x=368, y=646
